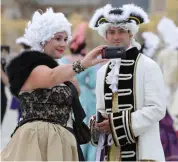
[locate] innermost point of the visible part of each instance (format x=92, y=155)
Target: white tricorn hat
x=128, y=17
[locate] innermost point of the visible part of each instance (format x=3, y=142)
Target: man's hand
x=103, y=127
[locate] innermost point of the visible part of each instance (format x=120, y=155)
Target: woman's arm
x=45, y=77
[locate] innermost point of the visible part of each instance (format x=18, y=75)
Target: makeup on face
x=61, y=39
x=61, y=36
x=57, y=45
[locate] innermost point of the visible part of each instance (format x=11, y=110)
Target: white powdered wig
x=134, y=43
x=22, y=40
x=151, y=43
x=133, y=28
x=168, y=31
x=44, y=26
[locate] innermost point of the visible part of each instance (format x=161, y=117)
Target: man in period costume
x=129, y=91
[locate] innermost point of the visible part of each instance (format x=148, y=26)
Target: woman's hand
x=44, y=77
x=91, y=58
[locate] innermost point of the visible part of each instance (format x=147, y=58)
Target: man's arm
x=154, y=101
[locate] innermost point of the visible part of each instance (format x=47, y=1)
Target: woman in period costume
x=45, y=132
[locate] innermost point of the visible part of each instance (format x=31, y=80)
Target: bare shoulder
x=40, y=77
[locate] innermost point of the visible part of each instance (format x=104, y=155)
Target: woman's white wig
x=128, y=17
x=44, y=26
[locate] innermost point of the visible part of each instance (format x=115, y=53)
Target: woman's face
x=57, y=45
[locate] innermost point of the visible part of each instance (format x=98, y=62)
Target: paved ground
x=9, y=123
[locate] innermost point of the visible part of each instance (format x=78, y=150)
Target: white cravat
x=113, y=76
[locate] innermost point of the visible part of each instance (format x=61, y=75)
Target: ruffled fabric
x=113, y=76
x=43, y=27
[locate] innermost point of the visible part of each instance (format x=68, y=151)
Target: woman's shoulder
x=31, y=58
x=20, y=67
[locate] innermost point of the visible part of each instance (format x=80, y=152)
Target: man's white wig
x=43, y=27
x=128, y=17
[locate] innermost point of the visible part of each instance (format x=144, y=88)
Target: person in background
x=168, y=60
x=24, y=46
x=167, y=130
x=5, y=50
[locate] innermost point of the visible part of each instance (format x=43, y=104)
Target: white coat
x=150, y=107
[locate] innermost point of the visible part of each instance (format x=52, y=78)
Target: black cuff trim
x=121, y=128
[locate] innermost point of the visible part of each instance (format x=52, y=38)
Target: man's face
x=117, y=36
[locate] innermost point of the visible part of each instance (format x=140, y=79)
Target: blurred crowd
x=161, y=46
